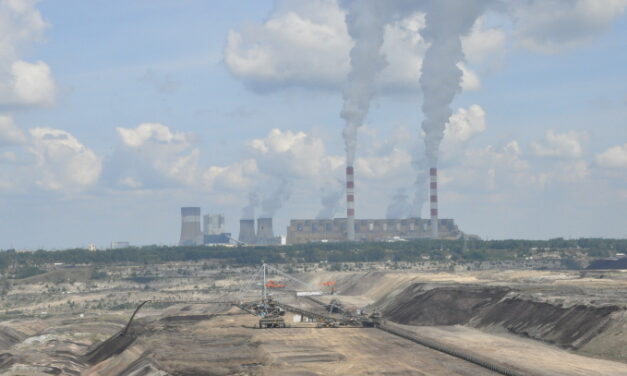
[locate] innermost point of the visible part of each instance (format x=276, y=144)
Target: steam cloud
x=365, y=20
x=420, y=187
x=399, y=206
x=446, y=21
x=275, y=200
x=248, y=212
x=330, y=203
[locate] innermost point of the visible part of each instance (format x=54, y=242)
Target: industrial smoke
x=330, y=199
x=446, y=21
x=273, y=202
x=398, y=207
x=248, y=212
x=365, y=20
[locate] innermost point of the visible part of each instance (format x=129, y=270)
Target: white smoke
x=399, y=207
x=273, y=202
x=365, y=21
x=248, y=212
x=446, y=22
x=420, y=187
x=331, y=199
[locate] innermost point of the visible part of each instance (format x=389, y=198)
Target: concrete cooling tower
x=190, y=226
x=265, y=234
x=247, y=231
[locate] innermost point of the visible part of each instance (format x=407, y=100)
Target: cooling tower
x=350, y=203
x=247, y=231
x=190, y=226
x=265, y=235
x=213, y=224
x=433, y=172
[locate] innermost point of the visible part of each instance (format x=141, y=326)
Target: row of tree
x=416, y=250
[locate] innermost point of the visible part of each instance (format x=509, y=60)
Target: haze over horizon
x=115, y=115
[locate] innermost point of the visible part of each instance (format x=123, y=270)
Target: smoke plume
x=446, y=21
x=365, y=20
x=399, y=206
x=331, y=199
x=275, y=200
x=248, y=212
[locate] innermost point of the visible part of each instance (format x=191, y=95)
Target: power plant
x=335, y=230
x=263, y=236
x=213, y=233
x=247, y=233
x=190, y=226
x=213, y=224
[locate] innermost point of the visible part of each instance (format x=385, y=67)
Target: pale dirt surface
x=354, y=352
x=530, y=356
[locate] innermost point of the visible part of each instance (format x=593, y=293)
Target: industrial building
x=190, y=226
x=322, y=230
x=264, y=234
x=213, y=233
x=213, y=224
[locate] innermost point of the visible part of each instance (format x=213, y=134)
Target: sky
x=114, y=114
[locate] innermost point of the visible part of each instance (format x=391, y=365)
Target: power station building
x=190, y=226
x=334, y=230
x=213, y=233
x=213, y=224
x=264, y=235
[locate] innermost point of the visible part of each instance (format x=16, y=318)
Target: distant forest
x=413, y=251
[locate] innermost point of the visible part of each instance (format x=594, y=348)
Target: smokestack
x=350, y=203
x=190, y=226
x=433, y=172
x=247, y=231
x=265, y=235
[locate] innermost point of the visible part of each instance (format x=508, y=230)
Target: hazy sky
x=114, y=114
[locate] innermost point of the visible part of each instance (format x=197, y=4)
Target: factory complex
x=301, y=231
x=335, y=230
x=213, y=228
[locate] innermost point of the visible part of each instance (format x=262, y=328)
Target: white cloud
x=62, y=162
x=33, y=84
x=239, y=176
x=10, y=133
x=614, y=157
x=461, y=127
x=556, y=25
x=306, y=44
x=287, y=154
x=22, y=83
x=46, y=158
x=303, y=43
x=491, y=168
x=560, y=145
x=151, y=132
x=393, y=164
x=483, y=42
x=154, y=149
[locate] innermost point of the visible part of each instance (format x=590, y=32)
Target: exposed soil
x=485, y=306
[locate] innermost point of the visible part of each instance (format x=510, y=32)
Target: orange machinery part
x=273, y=285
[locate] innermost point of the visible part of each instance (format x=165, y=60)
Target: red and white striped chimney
x=433, y=172
x=350, y=203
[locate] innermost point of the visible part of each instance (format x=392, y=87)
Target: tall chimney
x=247, y=231
x=265, y=235
x=190, y=226
x=350, y=203
x=433, y=172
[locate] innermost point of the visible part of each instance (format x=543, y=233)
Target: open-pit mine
x=207, y=319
